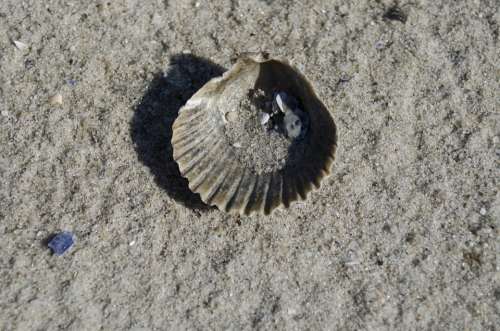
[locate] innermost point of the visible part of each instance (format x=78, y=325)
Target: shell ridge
x=231, y=200
x=219, y=181
x=220, y=197
x=249, y=198
x=184, y=120
x=183, y=133
x=269, y=195
x=196, y=163
x=203, y=176
x=180, y=151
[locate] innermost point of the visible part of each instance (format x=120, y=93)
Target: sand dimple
x=257, y=145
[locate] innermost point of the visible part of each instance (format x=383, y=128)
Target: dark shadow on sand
x=151, y=127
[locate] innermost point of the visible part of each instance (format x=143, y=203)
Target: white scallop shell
x=208, y=161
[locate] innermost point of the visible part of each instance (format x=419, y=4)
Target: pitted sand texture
x=402, y=236
x=260, y=145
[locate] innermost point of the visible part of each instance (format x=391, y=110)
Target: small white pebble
x=197, y=4
x=5, y=113
x=132, y=243
x=186, y=51
x=482, y=211
x=56, y=99
x=351, y=263
x=231, y=116
x=156, y=19
x=20, y=45
x=237, y=145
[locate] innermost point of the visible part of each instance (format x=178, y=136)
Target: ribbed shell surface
x=208, y=161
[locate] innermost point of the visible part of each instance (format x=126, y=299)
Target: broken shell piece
x=285, y=103
x=20, y=45
x=212, y=162
x=56, y=99
x=264, y=118
x=279, y=101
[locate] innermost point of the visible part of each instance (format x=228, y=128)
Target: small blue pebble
x=71, y=82
x=61, y=242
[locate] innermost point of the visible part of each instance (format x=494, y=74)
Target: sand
x=402, y=236
x=260, y=146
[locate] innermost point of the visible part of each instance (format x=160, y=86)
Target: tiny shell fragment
x=231, y=116
x=264, y=118
x=56, y=99
x=279, y=101
x=20, y=45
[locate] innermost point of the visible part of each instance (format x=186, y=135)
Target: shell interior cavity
x=255, y=139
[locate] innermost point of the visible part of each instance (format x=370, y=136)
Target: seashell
x=279, y=162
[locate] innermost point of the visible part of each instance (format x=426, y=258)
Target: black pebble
x=395, y=14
